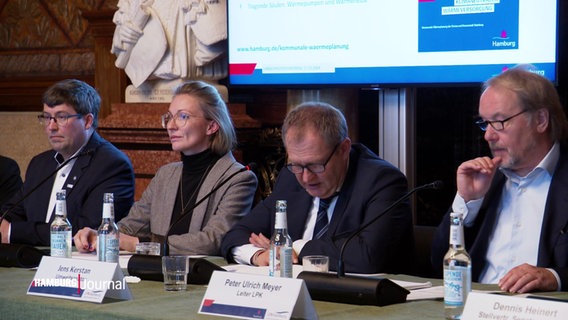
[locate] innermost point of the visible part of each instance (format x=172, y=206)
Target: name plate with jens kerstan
x=248, y=296
x=484, y=306
x=78, y=279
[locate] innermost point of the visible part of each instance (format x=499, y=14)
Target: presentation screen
x=387, y=42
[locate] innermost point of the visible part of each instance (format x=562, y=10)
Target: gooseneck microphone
x=249, y=167
x=63, y=164
x=358, y=289
x=21, y=255
x=340, y=264
x=149, y=267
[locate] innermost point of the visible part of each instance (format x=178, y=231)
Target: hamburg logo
x=503, y=41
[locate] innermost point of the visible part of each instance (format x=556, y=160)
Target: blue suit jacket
x=370, y=186
x=553, y=245
x=105, y=170
x=10, y=180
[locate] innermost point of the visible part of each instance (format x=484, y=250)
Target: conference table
x=151, y=301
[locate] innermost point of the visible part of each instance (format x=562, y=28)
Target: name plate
x=502, y=307
x=78, y=279
x=248, y=296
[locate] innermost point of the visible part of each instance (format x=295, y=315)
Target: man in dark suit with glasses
x=69, y=118
x=355, y=185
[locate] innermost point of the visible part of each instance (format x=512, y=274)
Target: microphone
x=249, y=167
x=358, y=289
x=63, y=164
x=438, y=184
x=22, y=255
x=148, y=267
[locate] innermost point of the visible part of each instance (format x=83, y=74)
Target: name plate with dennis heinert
x=481, y=305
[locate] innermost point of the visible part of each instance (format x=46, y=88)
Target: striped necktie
x=322, y=222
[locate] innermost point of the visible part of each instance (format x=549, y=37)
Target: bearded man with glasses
x=514, y=202
x=69, y=119
x=354, y=183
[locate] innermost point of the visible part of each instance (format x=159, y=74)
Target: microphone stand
x=22, y=255
x=251, y=166
x=340, y=264
x=359, y=289
x=149, y=267
x=5, y=213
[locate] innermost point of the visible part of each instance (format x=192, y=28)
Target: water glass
x=175, y=270
x=315, y=263
x=148, y=248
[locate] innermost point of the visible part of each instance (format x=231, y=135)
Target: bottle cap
x=60, y=195
x=456, y=215
x=281, y=204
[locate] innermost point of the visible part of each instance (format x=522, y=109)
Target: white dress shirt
x=243, y=254
x=58, y=183
x=516, y=235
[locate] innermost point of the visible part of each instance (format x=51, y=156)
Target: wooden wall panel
x=41, y=42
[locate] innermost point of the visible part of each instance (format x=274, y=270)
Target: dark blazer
x=371, y=185
x=10, y=180
x=553, y=246
x=105, y=170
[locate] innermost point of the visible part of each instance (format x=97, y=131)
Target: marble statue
x=171, y=39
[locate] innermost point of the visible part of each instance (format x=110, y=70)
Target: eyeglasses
x=498, y=125
x=313, y=167
x=60, y=118
x=180, y=118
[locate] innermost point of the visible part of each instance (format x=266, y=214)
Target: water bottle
x=60, y=229
x=108, y=234
x=280, y=254
x=457, y=270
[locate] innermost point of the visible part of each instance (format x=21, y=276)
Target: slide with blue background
x=461, y=25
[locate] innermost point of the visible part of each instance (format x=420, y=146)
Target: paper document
x=123, y=257
x=263, y=271
x=412, y=285
x=297, y=269
x=427, y=293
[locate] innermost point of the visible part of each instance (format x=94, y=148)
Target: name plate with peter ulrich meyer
x=248, y=296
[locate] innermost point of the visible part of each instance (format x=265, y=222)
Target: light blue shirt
x=516, y=235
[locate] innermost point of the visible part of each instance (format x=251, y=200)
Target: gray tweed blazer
x=210, y=220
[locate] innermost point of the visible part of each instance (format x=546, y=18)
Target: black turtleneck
x=195, y=168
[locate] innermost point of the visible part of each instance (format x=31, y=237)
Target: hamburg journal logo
x=73, y=287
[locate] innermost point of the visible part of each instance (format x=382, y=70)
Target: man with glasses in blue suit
x=323, y=166
x=91, y=167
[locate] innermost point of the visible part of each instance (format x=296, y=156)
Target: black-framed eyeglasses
x=60, y=118
x=498, y=125
x=180, y=118
x=312, y=167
